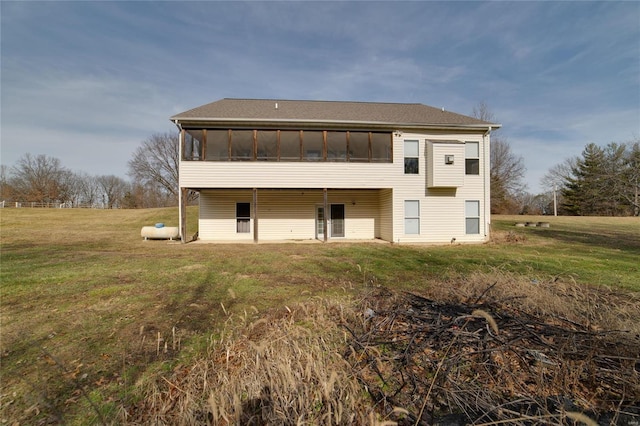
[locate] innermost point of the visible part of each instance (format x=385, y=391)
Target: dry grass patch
x=594, y=307
x=284, y=368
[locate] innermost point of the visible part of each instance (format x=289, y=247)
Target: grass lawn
x=89, y=309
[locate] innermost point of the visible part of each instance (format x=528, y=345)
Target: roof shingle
x=277, y=110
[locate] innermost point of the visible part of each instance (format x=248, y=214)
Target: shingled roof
x=335, y=112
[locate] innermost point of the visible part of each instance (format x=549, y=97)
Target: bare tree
x=155, y=164
x=481, y=111
x=87, y=190
x=113, y=190
x=630, y=177
x=507, y=168
x=40, y=179
x=6, y=191
x=557, y=175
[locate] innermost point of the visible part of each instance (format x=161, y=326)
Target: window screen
x=217, y=145
x=242, y=145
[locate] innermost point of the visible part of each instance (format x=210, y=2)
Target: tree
x=507, y=168
x=558, y=175
x=113, y=190
x=604, y=181
x=154, y=165
x=40, y=179
x=88, y=190
x=631, y=177
x=554, y=181
x=582, y=191
x=6, y=191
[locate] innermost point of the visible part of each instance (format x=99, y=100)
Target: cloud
x=93, y=123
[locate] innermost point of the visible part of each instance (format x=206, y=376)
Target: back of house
x=271, y=170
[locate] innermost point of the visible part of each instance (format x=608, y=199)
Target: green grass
x=82, y=291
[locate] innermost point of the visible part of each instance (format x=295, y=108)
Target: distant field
x=89, y=309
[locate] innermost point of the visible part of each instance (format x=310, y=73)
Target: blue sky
x=87, y=82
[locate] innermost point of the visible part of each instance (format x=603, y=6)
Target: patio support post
x=325, y=220
x=183, y=214
x=255, y=215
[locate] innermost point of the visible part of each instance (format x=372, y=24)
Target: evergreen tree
x=630, y=177
x=583, y=191
x=613, y=181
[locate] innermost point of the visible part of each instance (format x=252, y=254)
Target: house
x=300, y=170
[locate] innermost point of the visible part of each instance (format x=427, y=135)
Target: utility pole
x=555, y=200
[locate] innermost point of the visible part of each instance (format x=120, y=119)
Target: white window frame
x=472, y=217
x=243, y=223
x=471, y=153
x=411, y=155
x=412, y=217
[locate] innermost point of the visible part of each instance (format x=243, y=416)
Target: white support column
x=182, y=214
x=325, y=218
x=255, y=215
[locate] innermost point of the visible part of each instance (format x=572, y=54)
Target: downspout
x=487, y=183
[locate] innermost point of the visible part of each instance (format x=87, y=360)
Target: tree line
x=602, y=181
x=153, y=173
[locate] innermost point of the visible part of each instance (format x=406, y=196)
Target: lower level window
x=472, y=217
x=412, y=217
x=243, y=218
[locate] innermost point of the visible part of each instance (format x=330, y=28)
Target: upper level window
x=472, y=158
x=381, y=147
x=192, y=148
x=411, y=164
x=359, y=146
x=290, y=145
x=336, y=146
x=242, y=145
x=217, y=145
x=267, y=145
x=312, y=142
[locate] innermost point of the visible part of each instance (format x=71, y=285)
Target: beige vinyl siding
x=301, y=174
x=218, y=215
x=361, y=212
x=386, y=215
x=442, y=215
x=286, y=214
x=440, y=174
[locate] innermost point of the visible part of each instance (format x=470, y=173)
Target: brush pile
x=518, y=351
x=486, y=361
